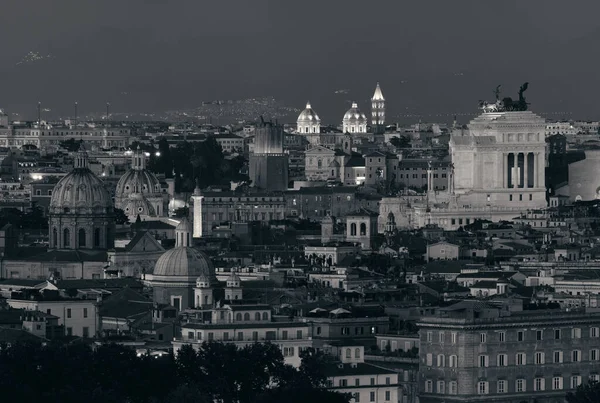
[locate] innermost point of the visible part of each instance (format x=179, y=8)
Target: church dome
x=184, y=262
x=80, y=190
x=138, y=181
x=355, y=115
x=308, y=115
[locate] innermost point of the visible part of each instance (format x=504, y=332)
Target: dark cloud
x=431, y=57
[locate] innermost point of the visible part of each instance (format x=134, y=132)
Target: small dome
x=184, y=262
x=203, y=281
x=354, y=115
x=308, y=115
x=233, y=280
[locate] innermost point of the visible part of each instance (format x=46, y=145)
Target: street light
x=157, y=153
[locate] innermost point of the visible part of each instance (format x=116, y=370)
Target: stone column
x=541, y=170
x=515, y=174
x=526, y=168
x=504, y=166
x=536, y=173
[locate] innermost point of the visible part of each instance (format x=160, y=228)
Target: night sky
x=431, y=56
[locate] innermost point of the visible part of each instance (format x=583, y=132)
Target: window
x=483, y=361
x=372, y=381
x=594, y=354
x=452, y=387
x=441, y=337
x=557, y=383
x=86, y=332
x=576, y=333
x=539, y=384
x=387, y=393
x=357, y=397
x=372, y=396
x=81, y=238
x=68, y=312
x=429, y=337
x=284, y=335
x=482, y=388
x=357, y=353
x=453, y=361
x=441, y=389
x=85, y=312
x=501, y=387
x=453, y=337
x=502, y=360
x=428, y=389
x=66, y=238
x=357, y=382
x=556, y=334
x=482, y=337
x=521, y=359
x=97, y=237
x=429, y=360
x=539, y=335
x=520, y=335
x=539, y=358
x=593, y=332
x=575, y=355
x=348, y=353
x=558, y=357
x=441, y=360
x=575, y=381
x=510, y=197
x=520, y=386
x=502, y=336
x=594, y=377
x=69, y=331
x=343, y=382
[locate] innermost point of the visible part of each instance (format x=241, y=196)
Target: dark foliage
x=585, y=393
x=113, y=373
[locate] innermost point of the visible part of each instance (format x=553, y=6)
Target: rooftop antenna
x=76, y=112
x=107, y=111
x=39, y=113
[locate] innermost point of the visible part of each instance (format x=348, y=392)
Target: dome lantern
x=138, y=161
x=183, y=234
x=81, y=160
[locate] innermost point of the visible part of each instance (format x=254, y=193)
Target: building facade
x=476, y=352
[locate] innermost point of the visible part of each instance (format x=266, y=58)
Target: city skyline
x=428, y=63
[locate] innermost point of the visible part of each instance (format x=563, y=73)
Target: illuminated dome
x=139, y=192
x=308, y=121
x=354, y=120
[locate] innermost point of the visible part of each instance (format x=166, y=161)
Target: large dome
x=308, y=115
x=355, y=115
x=184, y=262
x=138, y=181
x=80, y=191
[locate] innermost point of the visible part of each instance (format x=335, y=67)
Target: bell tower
x=378, y=107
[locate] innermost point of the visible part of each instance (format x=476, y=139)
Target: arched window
x=353, y=229
x=357, y=353
x=307, y=130
x=246, y=316
x=363, y=229
x=66, y=238
x=54, y=237
x=441, y=360
x=265, y=316
x=97, y=237
x=257, y=316
x=81, y=237
x=238, y=316
x=348, y=353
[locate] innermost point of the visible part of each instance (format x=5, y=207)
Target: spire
x=81, y=160
x=378, y=95
x=308, y=105
x=197, y=191
x=138, y=160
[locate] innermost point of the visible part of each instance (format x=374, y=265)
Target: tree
x=585, y=393
x=400, y=142
x=120, y=217
x=71, y=145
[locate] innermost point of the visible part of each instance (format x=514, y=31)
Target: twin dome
x=354, y=121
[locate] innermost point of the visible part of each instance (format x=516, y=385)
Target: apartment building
x=474, y=351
